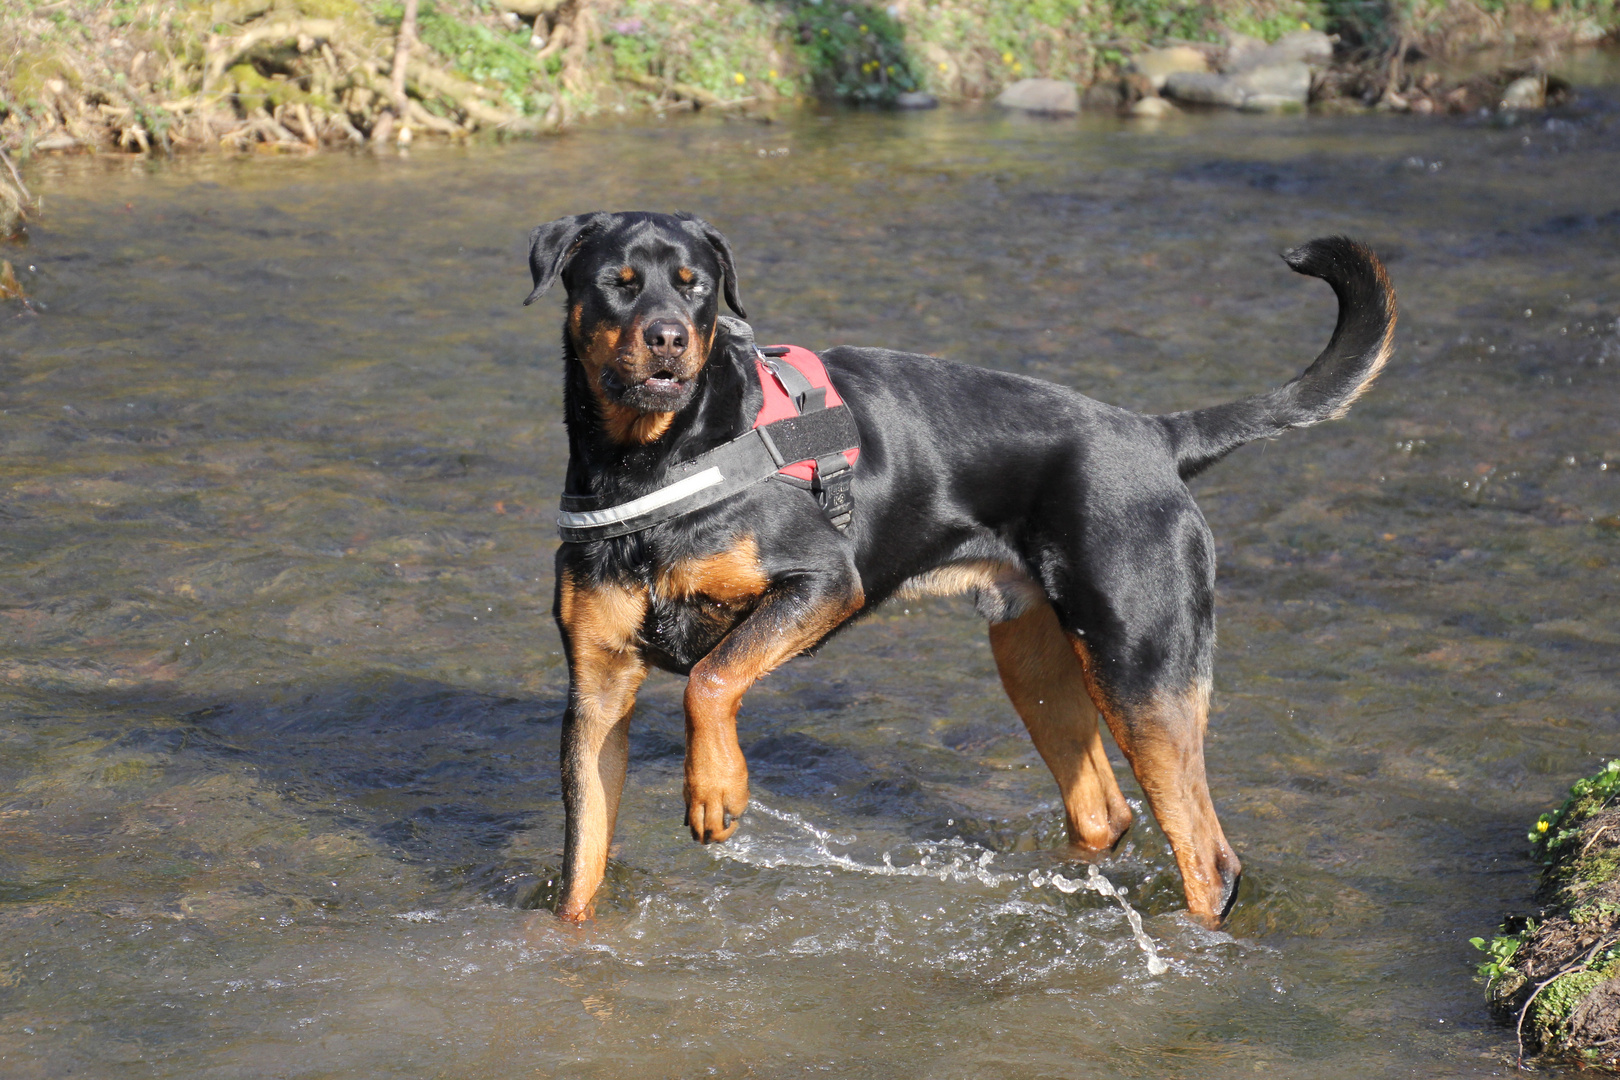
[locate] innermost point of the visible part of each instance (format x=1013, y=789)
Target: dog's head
x=643, y=298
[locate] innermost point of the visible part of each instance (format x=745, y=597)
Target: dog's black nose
x=665, y=337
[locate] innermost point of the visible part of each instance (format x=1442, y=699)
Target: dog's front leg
x=600, y=628
x=792, y=617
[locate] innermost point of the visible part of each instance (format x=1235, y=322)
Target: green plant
x=1586, y=797
x=853, y=51
x=1499, y=951
x=476, y=52
x=730, y=48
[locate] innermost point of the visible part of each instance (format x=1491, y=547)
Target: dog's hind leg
x=1044, y=679
x=599, y=629
x=1138, y=601
x=1162, y=736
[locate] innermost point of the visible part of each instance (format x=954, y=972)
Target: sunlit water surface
x=279, y=452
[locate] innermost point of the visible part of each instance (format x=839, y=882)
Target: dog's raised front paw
x=716, y=795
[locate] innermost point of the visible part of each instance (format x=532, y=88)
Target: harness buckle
x=832, y=487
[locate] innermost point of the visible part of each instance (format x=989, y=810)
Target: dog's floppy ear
x=551, y=246
x=696, y=225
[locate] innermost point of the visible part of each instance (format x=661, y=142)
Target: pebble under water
x=279, y=457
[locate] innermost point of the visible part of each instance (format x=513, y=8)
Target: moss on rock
x=1556, y=978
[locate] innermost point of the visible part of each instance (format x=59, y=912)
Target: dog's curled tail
x=1361, y=345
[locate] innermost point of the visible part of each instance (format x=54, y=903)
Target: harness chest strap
x=814, y=432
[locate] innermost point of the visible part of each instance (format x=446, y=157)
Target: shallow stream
x=280, y=693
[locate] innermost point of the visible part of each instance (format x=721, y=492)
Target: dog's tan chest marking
x=626, y=425
x=606, y=617
x=733, y=577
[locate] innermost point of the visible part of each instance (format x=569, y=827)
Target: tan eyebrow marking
x=686, y=275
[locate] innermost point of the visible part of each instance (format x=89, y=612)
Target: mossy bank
x=1556, y=977
x=297, y=75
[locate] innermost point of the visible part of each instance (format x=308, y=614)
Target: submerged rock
x=1556, y=977
x=1053, y=97
x=916, y=99
x=1154, y=108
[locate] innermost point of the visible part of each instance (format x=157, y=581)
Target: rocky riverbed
x=1301, y=69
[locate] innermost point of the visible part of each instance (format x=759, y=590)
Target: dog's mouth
x=662, y=391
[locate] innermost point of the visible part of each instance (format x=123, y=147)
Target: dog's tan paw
x=716, y=795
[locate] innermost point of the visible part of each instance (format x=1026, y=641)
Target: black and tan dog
x=1070, y=519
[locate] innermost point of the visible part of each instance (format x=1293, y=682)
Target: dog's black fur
x=1042, y=501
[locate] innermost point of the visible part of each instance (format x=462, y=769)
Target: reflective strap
x=657, y=500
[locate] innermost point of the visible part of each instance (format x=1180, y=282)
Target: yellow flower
x=891, y=69
x=1006, y=58
x=1542, y=826
x=739, y=78
x=825, y=31
x=943, y=66
x=773, y=73
x=1017, y=67
x=863, y=28
x=1303, y=25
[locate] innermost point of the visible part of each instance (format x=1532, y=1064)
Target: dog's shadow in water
x=464, y=783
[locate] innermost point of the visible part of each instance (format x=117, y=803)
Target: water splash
x=1095, y=882
x=964, y=866
x=968, y=864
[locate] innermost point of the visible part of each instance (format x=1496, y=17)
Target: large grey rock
x=1529, y=92
x=1051, y=96
x=1159, y=64
x=1277, y=86
x=1204, y=88
x=1239, y=48
x=1301, y=46
x=1309, y=46
x=56, y=142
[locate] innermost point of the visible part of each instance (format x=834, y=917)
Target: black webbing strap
x=834, y=475
x=806, y=398
x=719, y=474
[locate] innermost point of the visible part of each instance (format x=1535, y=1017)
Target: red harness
x=804, y=435
x=780, y=403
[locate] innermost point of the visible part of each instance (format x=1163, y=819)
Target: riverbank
x=298, y=75
x=1556, y=977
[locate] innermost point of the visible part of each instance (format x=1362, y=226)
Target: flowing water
x=279, y=452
